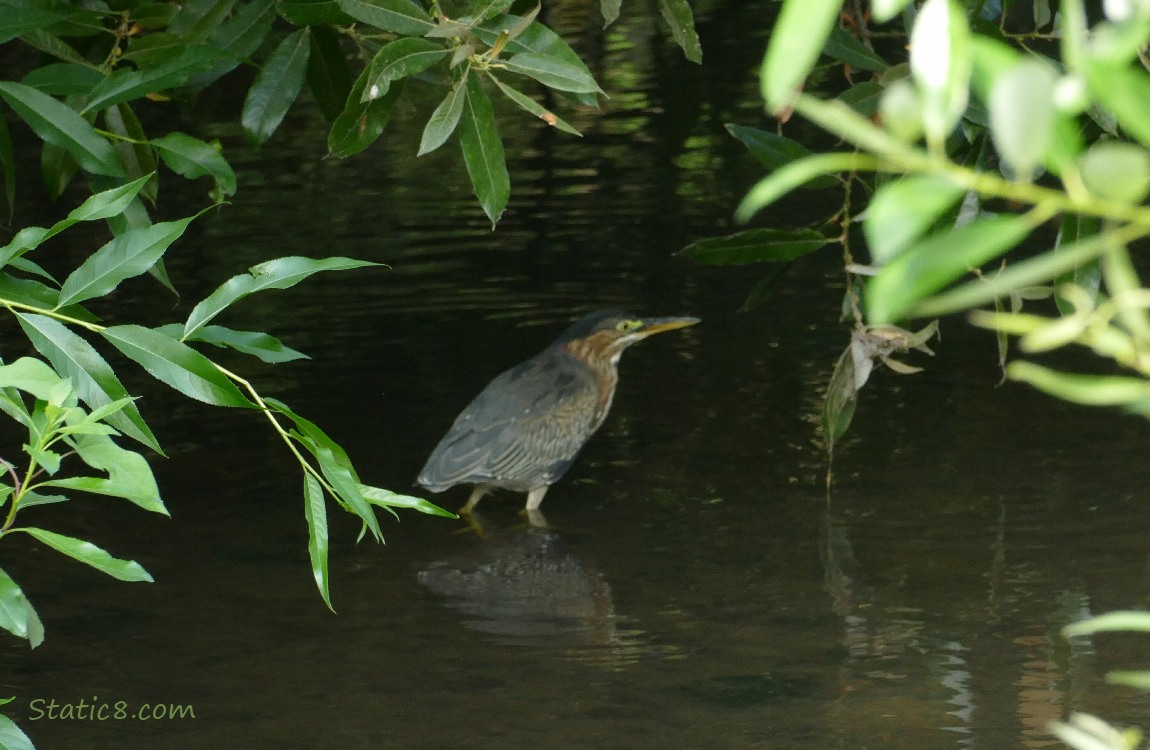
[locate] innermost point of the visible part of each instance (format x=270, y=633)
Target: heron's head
x=604, y=334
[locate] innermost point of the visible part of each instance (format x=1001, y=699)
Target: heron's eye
x=623, y=326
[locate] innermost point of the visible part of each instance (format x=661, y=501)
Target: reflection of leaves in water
x=747, y=690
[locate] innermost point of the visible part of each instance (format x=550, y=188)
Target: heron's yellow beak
x=652, y=326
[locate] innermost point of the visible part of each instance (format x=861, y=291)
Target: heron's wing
x=522, y=431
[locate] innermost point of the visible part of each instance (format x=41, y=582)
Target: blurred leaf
x=400, y=59
x=864, y=97
x=765, y=287
x=399, y=16
x=530, y=105
x=1110, y=622
x=902, y=210
x=1125, y=92
x=1092, y=390
x=885, y=10
x=678, y=15
x=1022, y=114
x=1087, y=732
x=789, y=177
x=774, y=151
x=844, y=47
x=755, y=246
x=1087, y=274
x=94, y=380
x=553, y=72
x=125, y=84
x=315, y=511
x=256, y=343
x=941, y=61
x=61, y=126
x=798, y=39
x=444, y=119
x=127, y=255
x=192, y=158
x=89, y=554
x=388, y=499
x=129, y=475
x=18, y=617
x=361, y=123
x=176, y=364
x=610, y=10
x=1116, y=171
x=328, y=75
x=1139, y=680
x=281, y=273
x=483, y=151
x=276, y=87
x=932, y=263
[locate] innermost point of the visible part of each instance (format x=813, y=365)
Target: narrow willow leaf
x=12, y=737
x=1086, y=275
x=774, y=151
x=313, y=12
x=791, y=176
x=903, y=210
x=315, y=511
x=388, y=499
x=1022, y=114
x=755, y=246
x=941, y=62
x=610, y=10
x=346, y=485
x=530, y=105
x=89, y=554
x=31, y=376
x=276, y=87
x=402, y=58
x=281, y=273
x=17, y=615
x=20, y=18
x=398, y=16
x=361, y=123
x=316, y=435
x=864, y=98
x=132, y=147
x=796, y=43
x=534, y=38
x=1091, y=390
x=192, y=158
x=177, y=365
x=61, y=126
x=126, y=84
x=256, y=343
x=94, y=380
x=482, y=10
x=840, y=401
x=931, y=264
x=129, y=474
x=884, y=10
x=328, y=76
x=130, y=254
x=678, y=16
x=553, y=72
x=846, y=48
x=483, y=151
x=1139, y=680
x=444, y=119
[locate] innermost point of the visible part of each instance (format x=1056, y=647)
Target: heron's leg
x=476, y=495
x=535, y=497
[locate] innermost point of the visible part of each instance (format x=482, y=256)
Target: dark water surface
x=699, y=588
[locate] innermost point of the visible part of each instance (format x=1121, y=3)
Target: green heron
x=523, y=431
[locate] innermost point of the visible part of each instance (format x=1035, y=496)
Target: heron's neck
x=603, y=367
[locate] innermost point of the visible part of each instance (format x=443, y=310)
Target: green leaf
x=1022, y=115
x=402, y=58
x=125, y=84
x=1116, y=171
x=844, y=47
x=535, y=38
x=774, y=151
x=530, y=105
x=176, y=364
x=313, y=12
x=840, y=401
x=11, y=736
x=755, y=246
x=796, y=43
x=31, y=376
x=315, y=434
x=61, y=126
x=483, y=152
x=94, y=380
x=793, y=175
x=20, y=18
x=1110, y=622
x=388, y=499
x=63, y=79
x=256, y=343
x=481, y=10
x=864, y=98
x=281, y=273
x=553, y=72
x=678, y=15
x=931, y=264
x=941, y=62
x=884, y=10
x=444, y=119
x=89, y=554
x=276, y=87
x=18, y=617
x=130, y=254
x=1139, y=680
x=903, y=210
x=361, y=123
x=398, y=16
x=8, y=167
x=315, y=511
x=328, y=76
x=610, y=10
x=192, y=158
x=1091, y=390
x=132, y=148
x=129, y=475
